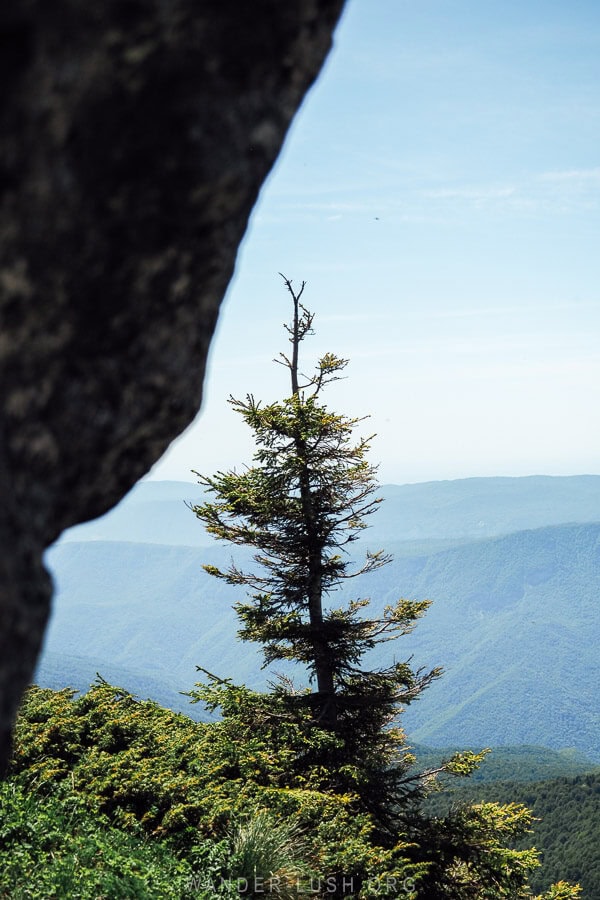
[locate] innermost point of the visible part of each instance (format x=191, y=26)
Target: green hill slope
x=515, y=623
x=520, y=764
x=566, y=830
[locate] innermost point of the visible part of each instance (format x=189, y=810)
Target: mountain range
x=155, y=511
x=512, y=566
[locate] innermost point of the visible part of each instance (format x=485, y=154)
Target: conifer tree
x=301, y=506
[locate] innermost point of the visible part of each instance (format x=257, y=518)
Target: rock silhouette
x=135, y=136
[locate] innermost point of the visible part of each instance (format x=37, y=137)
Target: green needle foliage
x=301, y=506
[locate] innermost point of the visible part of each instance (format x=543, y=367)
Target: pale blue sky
x=440, y=193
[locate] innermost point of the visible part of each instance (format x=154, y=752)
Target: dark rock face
x=135, y=135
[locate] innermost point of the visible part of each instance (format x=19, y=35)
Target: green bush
x=113, y=798
x=51, y=848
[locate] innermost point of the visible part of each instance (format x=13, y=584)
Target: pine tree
x=301, y=507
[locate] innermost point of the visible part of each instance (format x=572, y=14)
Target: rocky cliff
x=135, y=136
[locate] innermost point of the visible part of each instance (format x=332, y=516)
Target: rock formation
x=135, y=136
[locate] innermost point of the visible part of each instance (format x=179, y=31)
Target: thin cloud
x=474, y=312
x=479, y=195
x=357, y=317
x=572, y=175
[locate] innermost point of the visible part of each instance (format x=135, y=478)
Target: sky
x=439, y=192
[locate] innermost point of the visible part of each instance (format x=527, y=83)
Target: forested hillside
x=566, y=829
x=514, y=623
x=520, y=764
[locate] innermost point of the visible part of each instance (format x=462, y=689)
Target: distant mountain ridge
x=515, y=620
x=155, y=511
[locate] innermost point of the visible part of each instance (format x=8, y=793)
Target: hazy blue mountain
x=484, y=507
x=59, y=670
x=515, y=623
x=155, y=511
x=148, y=608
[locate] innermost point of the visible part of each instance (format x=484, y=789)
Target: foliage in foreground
x=120, y=795
x=52, y=847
